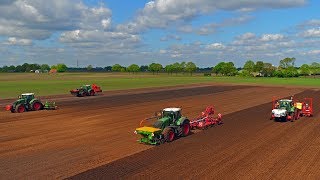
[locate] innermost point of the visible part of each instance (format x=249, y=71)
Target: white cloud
x=15, y=41
x=162, y=13
x=314, y=32
x=215, y=46
x=314, y=52
x=37, y=19
x=272, y=37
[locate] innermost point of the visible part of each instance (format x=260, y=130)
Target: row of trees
x=33, y=67
x=286, y=68
x=184, y=67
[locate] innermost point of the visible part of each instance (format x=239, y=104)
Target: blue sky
x=102, y=33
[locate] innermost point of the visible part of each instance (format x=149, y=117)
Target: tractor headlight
x=135, y=132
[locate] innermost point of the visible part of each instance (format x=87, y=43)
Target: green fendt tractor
x=169, y=125
x=27, y=102
x=86, y=90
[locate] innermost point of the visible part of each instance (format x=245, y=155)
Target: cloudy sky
x=105, y=32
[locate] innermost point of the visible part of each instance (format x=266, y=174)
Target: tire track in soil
x=247, y=146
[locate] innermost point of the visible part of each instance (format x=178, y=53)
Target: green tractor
x=169, y=125
x=86, y=90
x=27, y=102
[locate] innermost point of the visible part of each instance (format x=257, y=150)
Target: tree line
x=33, y=67
x=286, y=68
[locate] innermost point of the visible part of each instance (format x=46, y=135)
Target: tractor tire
x=168, y=134
x=36, y=106
x=92, y=93
x=185, y=129
x=20, y=108
x=82, y=94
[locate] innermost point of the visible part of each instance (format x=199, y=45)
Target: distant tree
x=133, y=68
x=53, y=67
x=287, y=62
x=155, y=67
x=19, y=69
x=268, y=70
x=61, y=68
x=229, y=69
x=123, y=69
x=11, y=68
x=108, y=68
x=144, y=68
x=218, y=68
x=176, y=67
x=89, y=67
x=304, y=70
x=190, y=67
x=226, y=69
x=258, y=66
x=315, y=68
x=24, y=67
x=249, y=66
x=116, y=68
x=44, y=67
x=182, y=67
x=169, y=68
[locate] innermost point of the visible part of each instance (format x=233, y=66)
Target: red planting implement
x=206, y=119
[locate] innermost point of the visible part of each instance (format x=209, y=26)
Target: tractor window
x=166, y=113
x=158, y=124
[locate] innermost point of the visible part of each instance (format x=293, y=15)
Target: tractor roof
x=286, y=100
x=27, y=94
x=172, y=109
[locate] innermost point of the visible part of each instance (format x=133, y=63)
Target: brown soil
x=248, y=146
x=86, y=133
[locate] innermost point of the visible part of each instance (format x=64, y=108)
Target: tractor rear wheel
x=168, y=135
x=185, y=127
x=92, y=93
x=36, y=106
x=20, y=108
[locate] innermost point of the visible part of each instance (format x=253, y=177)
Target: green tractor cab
x=169, y=125
x=27, y=102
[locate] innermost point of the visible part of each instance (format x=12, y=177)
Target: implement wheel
x=168, y=135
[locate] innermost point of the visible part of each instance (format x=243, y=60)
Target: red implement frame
x=307, y=107
x=206, y=119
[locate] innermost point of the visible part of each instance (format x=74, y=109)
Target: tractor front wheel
x=168, y=135
x=20, y=108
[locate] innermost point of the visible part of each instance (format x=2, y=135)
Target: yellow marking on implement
x=148, y=129
x=299, y=105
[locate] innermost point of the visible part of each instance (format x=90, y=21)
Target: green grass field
x=13, y=84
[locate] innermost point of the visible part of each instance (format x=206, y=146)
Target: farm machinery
x=290, y=109
x=170, y=124
x=27, y=102
x=86, y=90
x=206, y=119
